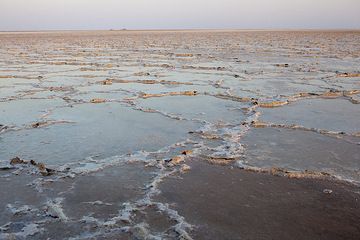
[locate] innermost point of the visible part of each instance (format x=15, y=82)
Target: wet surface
x=225, y=203
x=302, y=150
x=113, y=121
x=336, y=115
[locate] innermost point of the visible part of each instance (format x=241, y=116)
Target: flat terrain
x=180, y=135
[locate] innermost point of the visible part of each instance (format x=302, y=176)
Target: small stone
x=35, y=125
x=187, y=152
x=17, y=160
x=41, y=167
x=327, y=191
x=177, y=159
x=185, y=168
x=139, y=74
x=107, y=82
x=190, y=93
x=44, y=170
x=282, y=65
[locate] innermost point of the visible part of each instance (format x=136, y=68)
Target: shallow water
x=112, y=112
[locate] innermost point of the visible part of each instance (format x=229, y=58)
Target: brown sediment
x=206, y=135
x=185, y=93
x=84, y=69
x=282, y=172
x=48, y=123
x=282, y=65
x=187, y=152
x=234, y=98
x=106, y=82
x=258, y=124
x=351, y=92
x=219, y=160
x=17, y=160
x=147, y=81
x=60, y=89
x=23, y=77
x=241, y=203
x=184, y=55
x=348, y=75
x=164, y=82
x=74, y=63
x=165, y=65
x=332, y=94
x=40, y=166
x=177, y=160
x=59, y=63
x=148, y=110
x=7, y=76
x=307, y=94
x=140, y=74
x=174, y=83
x=109, y=65
x=151, y=95
x=113, y=80
x=304, y=174
x=204, y=68
x=272, y=104
x=97, y=100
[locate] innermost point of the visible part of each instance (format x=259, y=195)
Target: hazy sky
x=175, y=14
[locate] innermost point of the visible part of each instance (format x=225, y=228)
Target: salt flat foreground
x=180, y=135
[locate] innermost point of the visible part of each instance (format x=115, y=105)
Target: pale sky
x=177, y=14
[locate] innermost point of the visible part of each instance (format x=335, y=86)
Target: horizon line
x=180, y=29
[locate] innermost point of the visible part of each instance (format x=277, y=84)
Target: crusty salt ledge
x=179, y=135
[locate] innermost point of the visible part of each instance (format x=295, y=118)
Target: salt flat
x=180, y=135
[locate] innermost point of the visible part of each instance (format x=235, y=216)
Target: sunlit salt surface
x=294, y=149
x=330, y=114
x=113, y=114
